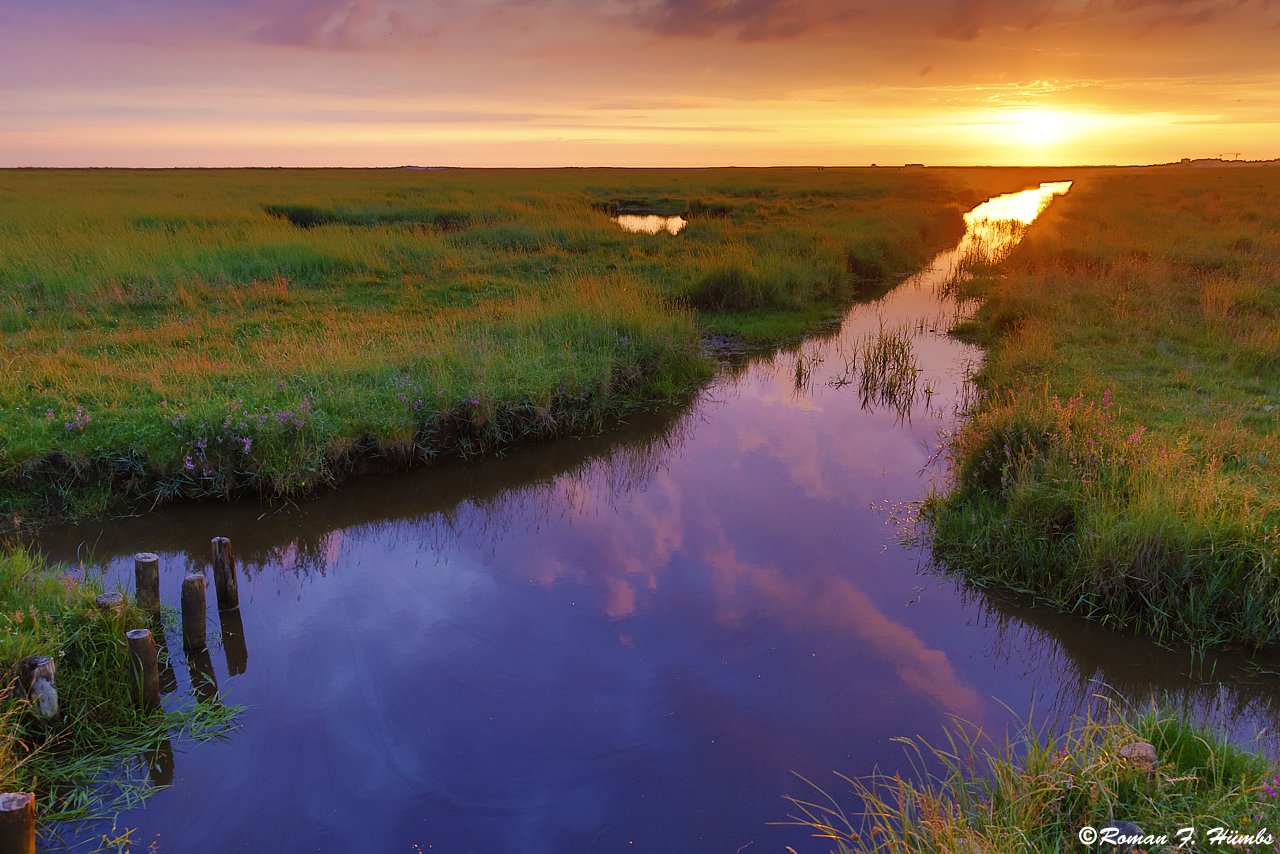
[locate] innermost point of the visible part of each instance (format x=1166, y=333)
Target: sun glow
x=1040, y=127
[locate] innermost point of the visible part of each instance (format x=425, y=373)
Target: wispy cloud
x=1191, y=13
x=340, y=24
x=747, y=20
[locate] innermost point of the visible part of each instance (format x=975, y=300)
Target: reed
x=889, y=376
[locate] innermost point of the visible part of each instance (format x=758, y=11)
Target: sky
x=163, y=83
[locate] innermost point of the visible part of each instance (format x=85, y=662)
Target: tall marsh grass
x=1123, y=459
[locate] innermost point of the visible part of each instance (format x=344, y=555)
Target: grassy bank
x=1123, y=458
x=94, y=758
x=1038, y=792
x=202, y=334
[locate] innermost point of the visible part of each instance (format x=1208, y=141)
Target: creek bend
x=628, y=642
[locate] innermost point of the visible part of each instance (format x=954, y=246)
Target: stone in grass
x=1140, y=755
x=1118, y=829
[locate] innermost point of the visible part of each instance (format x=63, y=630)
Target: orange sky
x=657, y=83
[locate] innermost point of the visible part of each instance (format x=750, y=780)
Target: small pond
x=650, y=223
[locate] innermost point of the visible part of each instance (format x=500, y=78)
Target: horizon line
x=451, y=168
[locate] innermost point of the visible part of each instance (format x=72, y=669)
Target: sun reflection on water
x=650, y=223
x=1020, y=207
x=995, y=226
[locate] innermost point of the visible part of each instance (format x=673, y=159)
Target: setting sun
x=1041, y=127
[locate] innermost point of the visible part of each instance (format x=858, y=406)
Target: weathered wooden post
x=233, y=642
x=193, y=613
x=18, y=823
x=111, y=603
x=224, y=574
x=146, y=575
x=146, y=673
x=36, y=677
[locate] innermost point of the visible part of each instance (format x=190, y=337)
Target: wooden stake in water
x=146, y=672
x=18, y=823
x=194, y=623
x=224, y=574
x=146, y=574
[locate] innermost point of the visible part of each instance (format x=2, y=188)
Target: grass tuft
x=1036, y=791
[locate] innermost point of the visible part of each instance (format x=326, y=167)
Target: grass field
x=1124, y=457
x=191, y=334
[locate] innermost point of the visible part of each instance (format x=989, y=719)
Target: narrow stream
x=627, y=643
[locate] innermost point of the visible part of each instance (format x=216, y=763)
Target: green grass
x=93, y=760
x=200, y=334
x=1123, y=457
x=1036, y=791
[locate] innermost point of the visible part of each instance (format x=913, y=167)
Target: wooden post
x=146, y=574
x=193, y=613
x=224, y=574
x=233, y=645
x=25, y=670
x=18, y=823
x=38, y=681
x=146, y=673
x=111, y=603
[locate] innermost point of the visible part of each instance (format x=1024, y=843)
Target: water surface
x=650, y=223
x=626, y=643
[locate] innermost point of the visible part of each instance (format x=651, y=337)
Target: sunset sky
x=655, y=83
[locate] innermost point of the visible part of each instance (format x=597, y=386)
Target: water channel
x=631, y=642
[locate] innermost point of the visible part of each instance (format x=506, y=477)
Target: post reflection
x=204, y=681
x=168, y=679
x=160, y=764
x=233, y=643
